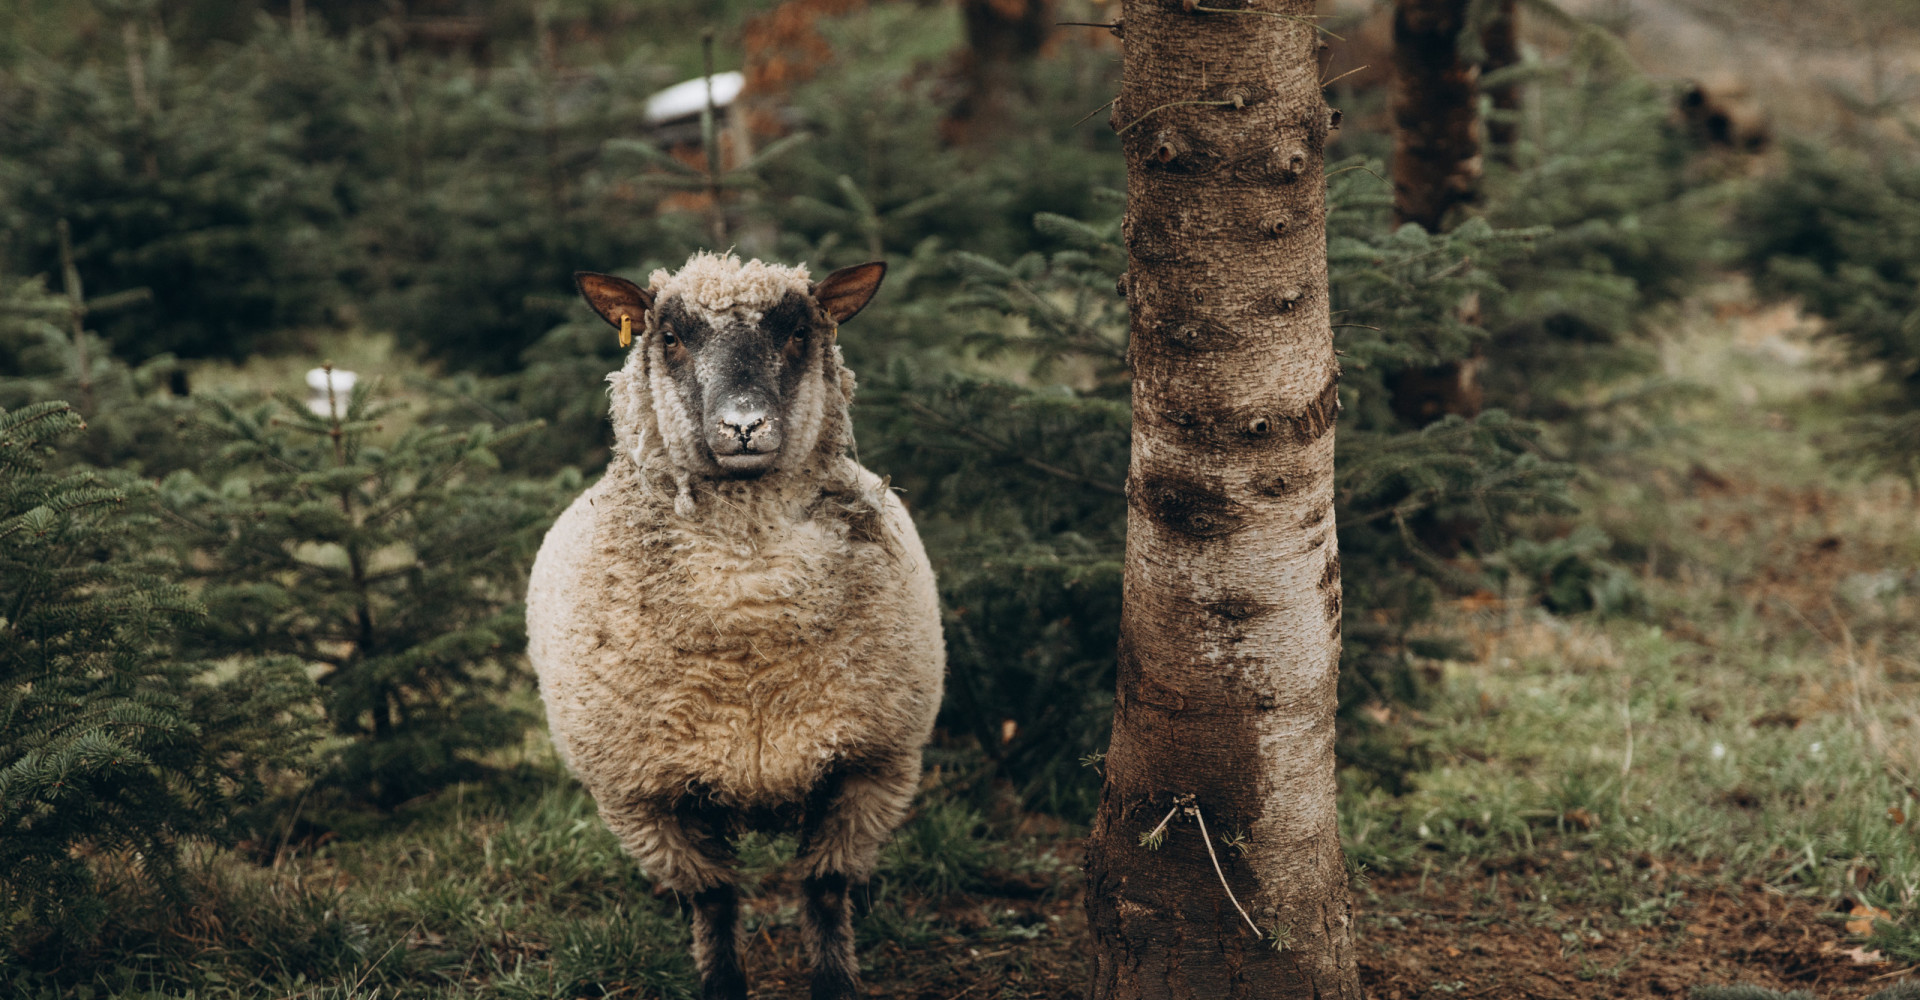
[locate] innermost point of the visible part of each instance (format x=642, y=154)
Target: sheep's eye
x=667, y=338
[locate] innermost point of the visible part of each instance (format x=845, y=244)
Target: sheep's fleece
x=736, y=640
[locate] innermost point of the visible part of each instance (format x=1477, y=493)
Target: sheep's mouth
x=748, y=466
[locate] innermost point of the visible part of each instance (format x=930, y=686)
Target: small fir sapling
x=114, y=749
x=1629, y=224
x=1838, y=231
x=133, y=412
x=474, y=231
x=278, y=185
x=392, y=559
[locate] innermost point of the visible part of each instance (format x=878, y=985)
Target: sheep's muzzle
x=744, y=437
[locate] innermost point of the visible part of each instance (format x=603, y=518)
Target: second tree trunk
x=1230, y=632
x=1436, y=121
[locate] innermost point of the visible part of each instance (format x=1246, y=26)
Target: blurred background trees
x=202, y=199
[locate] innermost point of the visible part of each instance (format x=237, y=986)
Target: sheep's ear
x=848, y=290
x=614, y=298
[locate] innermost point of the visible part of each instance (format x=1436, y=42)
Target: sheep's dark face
x=738, y=372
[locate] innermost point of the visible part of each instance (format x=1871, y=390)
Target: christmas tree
x=392, y=561
x=112, y=749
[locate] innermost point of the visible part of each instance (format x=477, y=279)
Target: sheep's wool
x=720, y=282
x=731, y=639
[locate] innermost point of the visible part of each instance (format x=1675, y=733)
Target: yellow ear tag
x=626, y=330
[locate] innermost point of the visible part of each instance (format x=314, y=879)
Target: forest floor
x=1714, y=785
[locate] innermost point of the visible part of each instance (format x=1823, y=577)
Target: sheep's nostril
x=743, y=429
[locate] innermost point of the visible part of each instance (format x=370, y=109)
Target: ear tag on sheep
x=626, y=330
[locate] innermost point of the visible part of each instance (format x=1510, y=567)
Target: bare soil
x=1481, y=936
x=1446, y=942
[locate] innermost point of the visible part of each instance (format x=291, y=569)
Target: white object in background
x=683, y=99
x=317, y=401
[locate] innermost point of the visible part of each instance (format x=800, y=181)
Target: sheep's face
x=737, y=359
x=737, y=372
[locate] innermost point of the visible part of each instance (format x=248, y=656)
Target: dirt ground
x=1431, y=939
x=1444, y=943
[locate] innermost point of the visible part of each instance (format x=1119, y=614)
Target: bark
x=1436, y=137
x=1230, y=634
x=1501, y=41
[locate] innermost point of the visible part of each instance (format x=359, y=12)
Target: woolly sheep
x=736, y=627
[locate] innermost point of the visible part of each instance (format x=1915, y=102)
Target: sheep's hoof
x=834, y=984
x=728, y=984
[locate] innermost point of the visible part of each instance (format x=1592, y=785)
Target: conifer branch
x=1006, y=448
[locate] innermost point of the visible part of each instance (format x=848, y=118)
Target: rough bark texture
x=1501, y=41
x=1436, y=134
x=1231, y=630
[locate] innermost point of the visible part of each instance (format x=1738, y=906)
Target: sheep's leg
x=716, y=943
x=686, y=852
x=829, y=936
x=848, y=818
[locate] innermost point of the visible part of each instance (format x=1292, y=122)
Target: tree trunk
x=1501, y=41
x=1436, y=135
x=1002, y=37
x=1230, y=634
x=1436, y=170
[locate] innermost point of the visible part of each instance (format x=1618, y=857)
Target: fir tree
x=1014, y=459
x=392, y=561
x=47, y=351
x=1839, y=231
x=174, y=179
x=110, y=748
x=1632, y=225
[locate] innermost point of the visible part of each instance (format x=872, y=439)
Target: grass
x=1756, y=722
x=1749, y=732
x=515, y=891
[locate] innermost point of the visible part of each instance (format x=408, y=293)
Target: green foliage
x=111, y=750
x=182, y=184
x=1572, y=574
x=1629, y=223
x=1013, y=460
x=497, y=194
x=300, y=183
x=945, y=849
x=1416, y=505
x=132, y=417
x=1838, y=231
x=881, y=176
x=393, y=560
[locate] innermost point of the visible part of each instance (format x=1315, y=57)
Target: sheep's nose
x=748, y=428
x=742, y=425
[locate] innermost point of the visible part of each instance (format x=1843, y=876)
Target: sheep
x=736, y=628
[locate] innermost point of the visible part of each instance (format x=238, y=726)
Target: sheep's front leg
x=716, y=943
x=848, y=818
x=686, y=852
